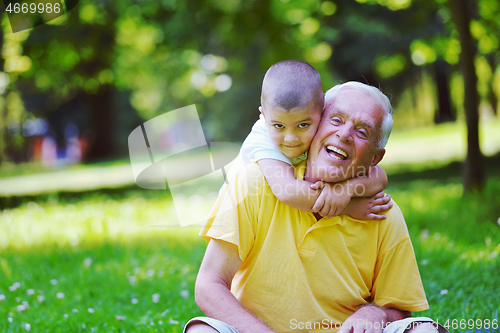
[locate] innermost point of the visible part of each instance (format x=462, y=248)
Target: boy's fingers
x=376, y=217
x=318, y=185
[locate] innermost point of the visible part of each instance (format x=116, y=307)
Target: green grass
x=104, y=253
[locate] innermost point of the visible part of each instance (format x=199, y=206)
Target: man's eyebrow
x=337, y=112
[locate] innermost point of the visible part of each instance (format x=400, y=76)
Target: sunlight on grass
x=435, y=146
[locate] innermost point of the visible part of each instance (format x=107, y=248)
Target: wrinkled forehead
x=358, y=105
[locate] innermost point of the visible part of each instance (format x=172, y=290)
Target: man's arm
x=372, y=318
x=213, y=288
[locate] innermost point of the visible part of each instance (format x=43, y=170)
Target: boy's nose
x=291, y=138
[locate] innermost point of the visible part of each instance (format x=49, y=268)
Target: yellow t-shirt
x=302, y=275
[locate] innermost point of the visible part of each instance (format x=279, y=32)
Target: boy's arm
x=335, y=198
x=290, y=191
x=375, y=182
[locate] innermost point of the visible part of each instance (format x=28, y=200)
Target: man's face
x=345, y=143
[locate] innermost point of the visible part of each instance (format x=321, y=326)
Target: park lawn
x=111, y=259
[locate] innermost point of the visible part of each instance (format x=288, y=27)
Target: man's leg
x=208, y=325
x=415, y=325
x=200, y=328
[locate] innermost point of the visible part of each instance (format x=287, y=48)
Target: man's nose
x=344, y=133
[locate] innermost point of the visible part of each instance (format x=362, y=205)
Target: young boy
x=292, y=102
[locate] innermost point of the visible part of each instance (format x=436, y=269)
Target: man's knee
x=200, y=328
x=423, y=328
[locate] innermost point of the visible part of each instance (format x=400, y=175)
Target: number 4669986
x=34, y=8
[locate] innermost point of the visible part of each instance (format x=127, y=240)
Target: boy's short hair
x=290, y=84
x=383, y=100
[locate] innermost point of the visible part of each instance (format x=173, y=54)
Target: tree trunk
x=444, y=112
x=101, y=125
x=473, y=173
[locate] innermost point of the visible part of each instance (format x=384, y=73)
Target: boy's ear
x=262, y=111
x=379, y=154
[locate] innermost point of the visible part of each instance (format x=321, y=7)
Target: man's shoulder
x=394, y=228
x=250, y=175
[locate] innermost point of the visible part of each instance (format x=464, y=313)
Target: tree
x=474, y=177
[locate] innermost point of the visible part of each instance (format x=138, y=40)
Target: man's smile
x=336, y=152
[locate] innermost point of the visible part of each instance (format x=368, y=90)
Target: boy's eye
x=278, y=126
x=303, y=125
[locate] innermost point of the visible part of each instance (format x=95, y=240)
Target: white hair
x=383, y=100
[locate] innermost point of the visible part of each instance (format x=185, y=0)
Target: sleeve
x=234, y=216
x=397, y=281
x=258, y=145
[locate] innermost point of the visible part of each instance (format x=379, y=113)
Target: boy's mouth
x=335, y=152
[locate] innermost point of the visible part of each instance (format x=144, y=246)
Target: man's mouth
x=335, y=152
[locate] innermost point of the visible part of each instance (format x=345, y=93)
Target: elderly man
x=271, y=268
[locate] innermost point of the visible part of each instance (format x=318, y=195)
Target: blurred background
x=72, y=90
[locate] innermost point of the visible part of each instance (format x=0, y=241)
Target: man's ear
x=378, y=157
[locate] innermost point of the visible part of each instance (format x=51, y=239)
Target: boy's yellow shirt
x=302, y=275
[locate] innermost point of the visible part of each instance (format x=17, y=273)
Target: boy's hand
x=330, y=203
x=369, y=208
x=318, y=185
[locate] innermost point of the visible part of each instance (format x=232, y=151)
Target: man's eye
x=362, y=133
x=278, y=126
x=303, y=125
x=336, y=120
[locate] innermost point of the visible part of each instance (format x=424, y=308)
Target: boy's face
x=292, y=131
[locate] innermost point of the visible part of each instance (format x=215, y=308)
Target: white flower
x=444, y=292
x=75, y=310
x=30, y=292
x=156, y=298
x=120, y=318
x=150, y=272
x=2, y=298
x=137, y=270
x=90, y=310
x=87, y=262
x=27, y=327
x=40, y=298
x=425, y=262
x=53, y=281
x=173, y=322
x=65, y=315
x=10, y=319
x=21, y=308
x=26, y=304
x=152, y=323
x=60, y=295
x=184, y=293
x=160, y=322
x=135, y=301
x=12, y=288
x=17, y=284
x=132, y=280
